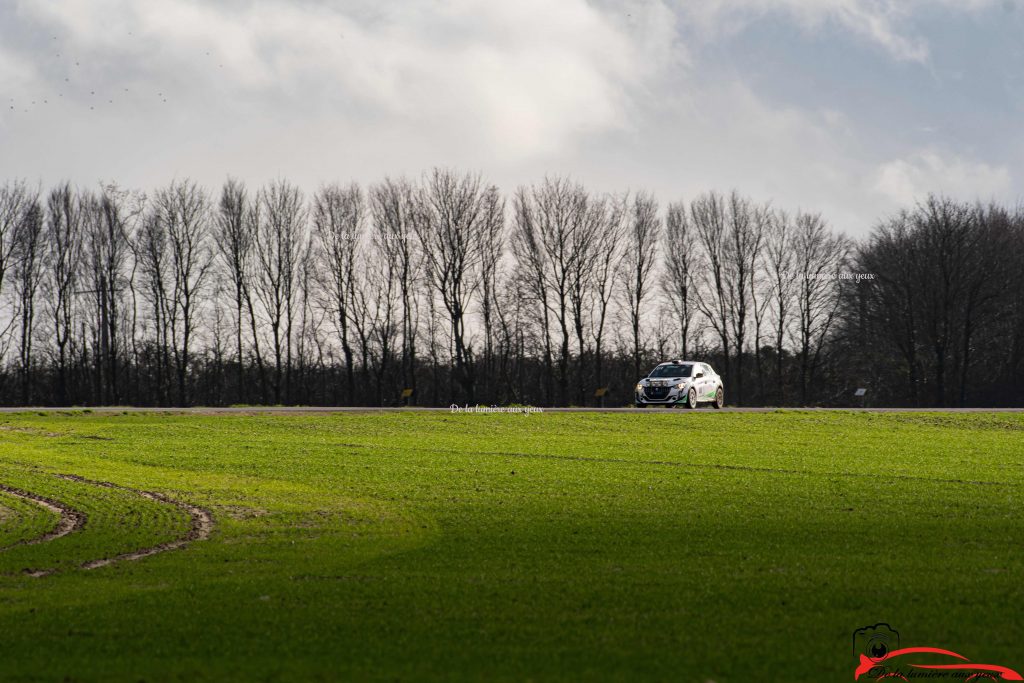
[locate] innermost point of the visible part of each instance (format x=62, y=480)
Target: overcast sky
x=848, y=107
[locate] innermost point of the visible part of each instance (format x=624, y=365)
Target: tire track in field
x=200, y=527
x=69, y=520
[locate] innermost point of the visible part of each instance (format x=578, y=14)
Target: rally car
x=680, y=382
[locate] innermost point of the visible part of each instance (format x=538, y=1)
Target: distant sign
x=406, y=393
x=603, y=391
x=860, y=392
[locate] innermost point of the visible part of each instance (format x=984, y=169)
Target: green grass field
x=409, y=546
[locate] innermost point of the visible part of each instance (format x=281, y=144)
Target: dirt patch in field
x=70, y=519
x=241, y=512
x=34, y=431
x=200, y=528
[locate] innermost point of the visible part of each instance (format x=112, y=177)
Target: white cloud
x=881, y=22
x=908, y=180
x=727, y=136
x=615, y=92
x=523, y=78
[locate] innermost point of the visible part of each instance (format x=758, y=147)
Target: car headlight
x=639, y=387
x=681, y=385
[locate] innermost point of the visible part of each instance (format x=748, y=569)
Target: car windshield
x=682, y=370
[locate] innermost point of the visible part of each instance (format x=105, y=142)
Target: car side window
x=707, y=369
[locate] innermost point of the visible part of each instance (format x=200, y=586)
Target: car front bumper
x=674, y=395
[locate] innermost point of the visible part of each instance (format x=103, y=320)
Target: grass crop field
x=410, y=546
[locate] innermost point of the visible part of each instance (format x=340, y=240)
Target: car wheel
x=719, y=399
x=691, y=399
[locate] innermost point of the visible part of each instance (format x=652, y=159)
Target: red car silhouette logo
x=982, y=672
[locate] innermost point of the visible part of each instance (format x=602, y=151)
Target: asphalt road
x=284, y=410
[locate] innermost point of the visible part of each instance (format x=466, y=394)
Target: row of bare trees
x=442, y=290
x=943, y=324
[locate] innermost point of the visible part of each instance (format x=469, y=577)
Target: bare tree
x=278, y=242
x=183, y=214
x=745, y=230
x=234, y=239
x=28, y=273
x=492, y=250
x=730, y=232
x=945, y=231
x=393, y=206
x=451, y=225
x=64, y=254
x=586, y=261
x=892, y=256
x=16, y=201
x=551, y=231
x=710, y=219
x=339, y=215
x=992, y=278
x=151, y=254
x=781, y=280
x=819, y=256
x=374, y=303
x=681, y=264
x=308, y=344
x=609, y=249
x=639, y=260
x=108, y=252
x=511, y=309
x=435, y=332
x=942, y=272
x=530, y=273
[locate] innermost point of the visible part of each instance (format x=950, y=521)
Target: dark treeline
x=452, y=292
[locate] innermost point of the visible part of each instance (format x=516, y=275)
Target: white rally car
x=681, y=382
